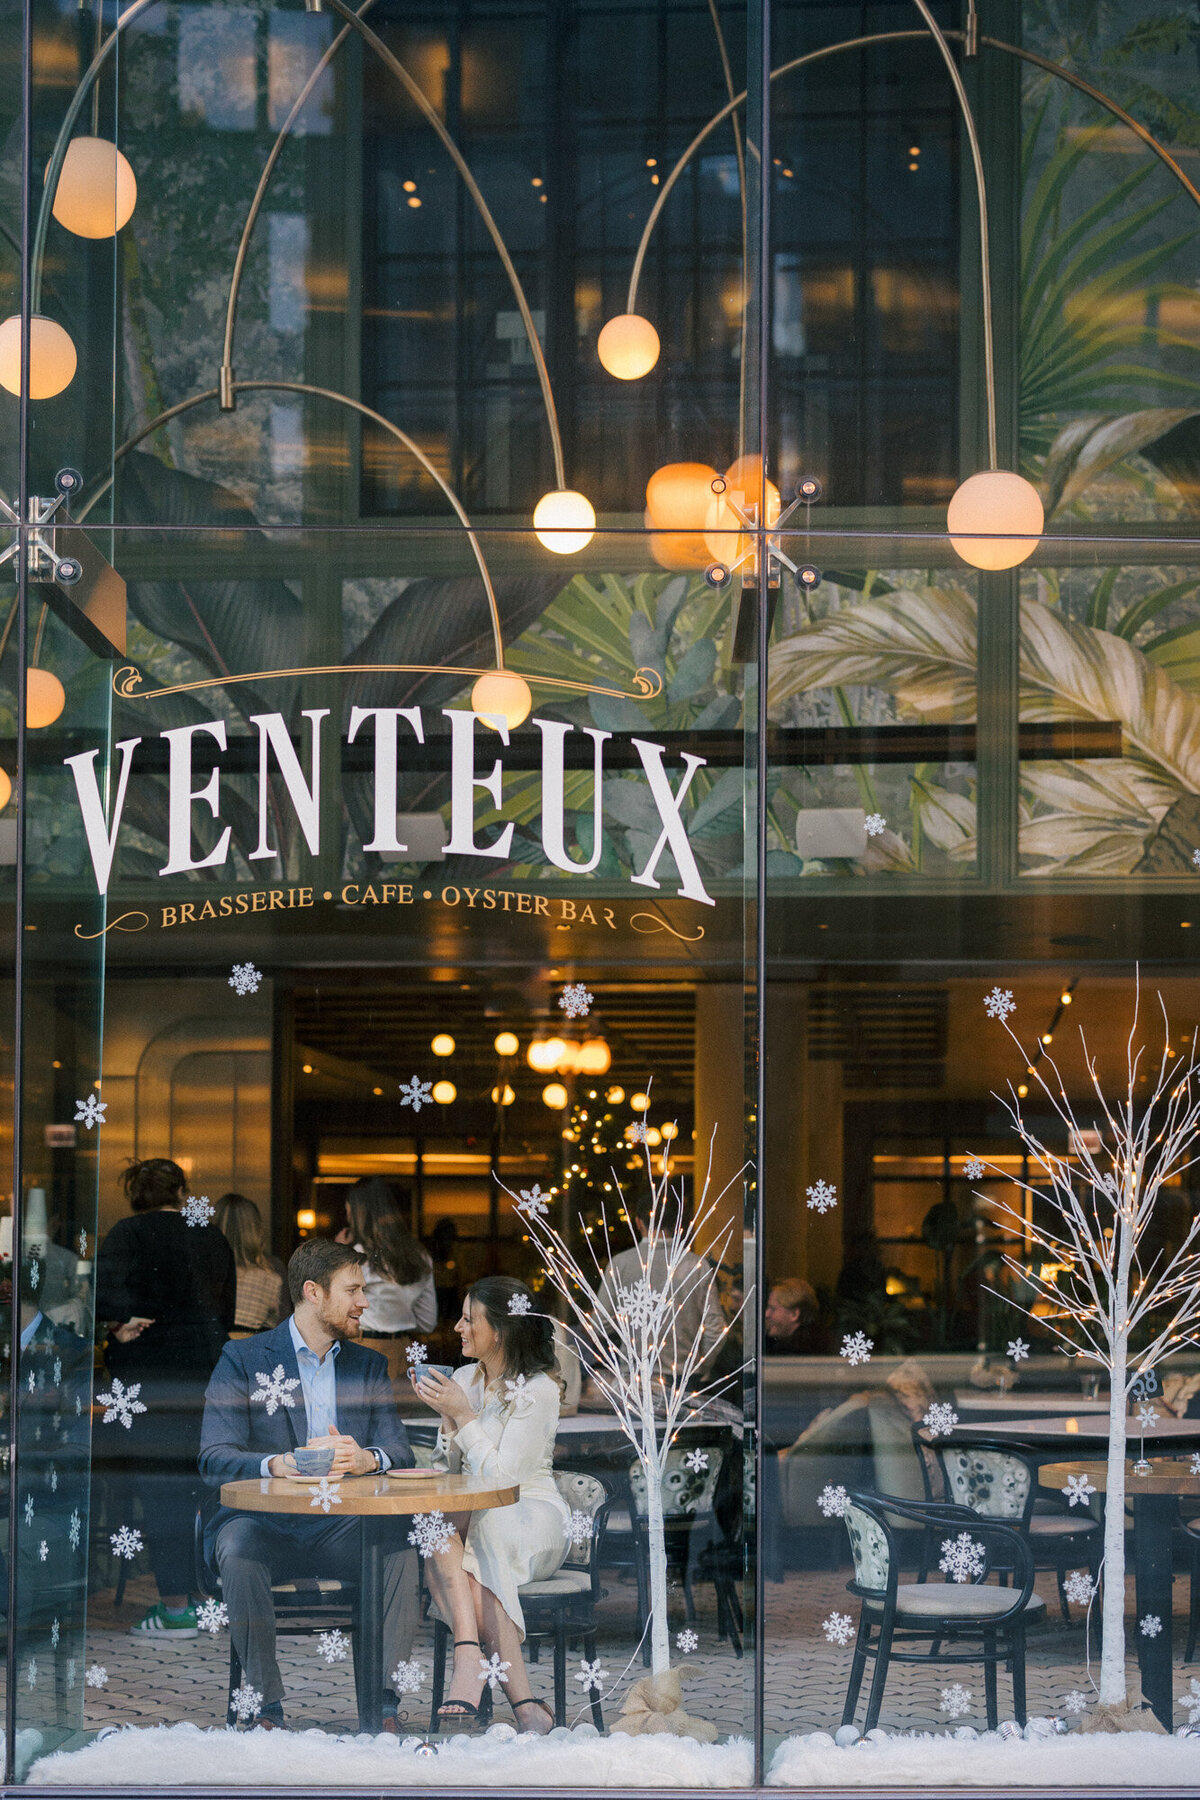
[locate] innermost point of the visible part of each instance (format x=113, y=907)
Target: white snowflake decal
x=1191, y=1702
x=326, y=1494
x=1078, y=1490
x=577, y=1528
x=53, y=1479
x=1075, y=1702
x=962, y=1558
x=1150, y=1626
x=941, y=1419
x=334, y=1646
x=31, y=1671
x=35, y=1273
x=73, y=1529
x=83, y=1243
x=1194, y=1465
x=55, y=1633
x=406, y=1677
x=822, y=1196
x=493, y=1671
x=519, y=1305
x=874, y=824
x=126, y=1542
x=1079, y=1587
x=517, y=1395
x=211, y=1615
x=973, y=1169
x=43, y=1550
x=575, y=1000
x=96, y=1675
x=956, y=1700
x=637, y=1133
x=90, y=1111
x=245, y=979
x=431, y=1533
x=199, y=1210
x=57, y=1374
x=833, y=1501
x=591, y=1677
x=276, y=1389
x=416, y=1354
x=1018, y=1350
x=857, y=1348
x=1196, y=859
x=533, y=1203
x=29, y=1509
x=696, y=1461
x=31, y=1384
x=120, y=1403
x=416, y=1093
x=640, y=1304
x=246, y=1701
x=1147, y=1415
x=686, y=1641
x=999, y=1003
x=838, y=1628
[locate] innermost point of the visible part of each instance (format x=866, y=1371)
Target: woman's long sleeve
x=425, y=1306
x=525, y=1442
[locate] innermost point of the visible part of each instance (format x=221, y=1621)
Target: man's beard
x=346, y=1332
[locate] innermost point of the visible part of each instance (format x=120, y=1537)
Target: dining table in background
x=373, y=1499
x=1155, y=1500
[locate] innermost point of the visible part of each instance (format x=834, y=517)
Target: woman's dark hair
x=156, y=1182
x=373, y=1210
x=527, y=1339
x=240, y=1220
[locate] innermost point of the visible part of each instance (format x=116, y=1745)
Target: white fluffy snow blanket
x=1130, y=1759
x=172, y=1755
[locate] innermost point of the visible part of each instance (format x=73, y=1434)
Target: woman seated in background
x=401, y=1299
x=499, y=1416
x=260, y=1277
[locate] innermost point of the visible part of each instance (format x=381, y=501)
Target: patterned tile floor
x=151, y=1682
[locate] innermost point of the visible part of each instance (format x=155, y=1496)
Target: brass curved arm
x=320, y=393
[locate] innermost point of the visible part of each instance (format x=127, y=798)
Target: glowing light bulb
x=745, y=488
x=628, y=347
x=501, y=694
x=639, y=1102
x=506, y=1044
x=678, y=497
x=443, y=1044
x=615, y=1095
x=995, y=500
x=52, y=359
x=564, y=521
x=593, y=1057
x=1066, y=997
x=5, y=789
x=669, y=1132
x=503, y=1096
x=554, y=1095
x=97, y=189
x=444, y=1092
x=45, y=698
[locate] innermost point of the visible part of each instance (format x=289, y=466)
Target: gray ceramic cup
x=317, y=1461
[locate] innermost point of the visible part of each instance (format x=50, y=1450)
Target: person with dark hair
x=398, y=1272
x=167, y=1285
x=499, y=1417
x=260, y=1277
x=328, y=1391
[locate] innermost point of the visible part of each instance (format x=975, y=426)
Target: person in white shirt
x=401, y=1300
x=499, y=1417
x=698, y=1312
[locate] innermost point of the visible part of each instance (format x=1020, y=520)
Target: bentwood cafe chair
x=979, y=1622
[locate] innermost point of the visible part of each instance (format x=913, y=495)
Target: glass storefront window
x=598, y=828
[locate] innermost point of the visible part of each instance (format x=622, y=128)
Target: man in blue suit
x=305, y=1383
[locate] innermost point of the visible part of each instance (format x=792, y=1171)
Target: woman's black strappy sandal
x=532, y=1701
x=463, y=1713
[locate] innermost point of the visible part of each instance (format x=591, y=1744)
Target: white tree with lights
x=630, y=1336
x=1101, y=1201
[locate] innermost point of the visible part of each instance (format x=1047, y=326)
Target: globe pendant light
x=501, y=694
x=5, y=789
x=628, y=347
x=995, y=500
x=744, y=488
x=678, y=497
x=97, y=189
x=52, y=359
x=564, y=521
x=45, y=698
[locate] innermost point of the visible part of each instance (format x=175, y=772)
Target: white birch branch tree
x=1100, y=1197
x=650, y=1374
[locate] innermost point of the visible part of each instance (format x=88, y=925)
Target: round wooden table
x=373, y=1499
x=1155, y=1500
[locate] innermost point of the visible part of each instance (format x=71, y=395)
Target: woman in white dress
x=499, y=1417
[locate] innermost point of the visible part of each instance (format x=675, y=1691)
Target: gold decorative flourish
x=654, y=923
x=117, y=925
x=127, y=682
